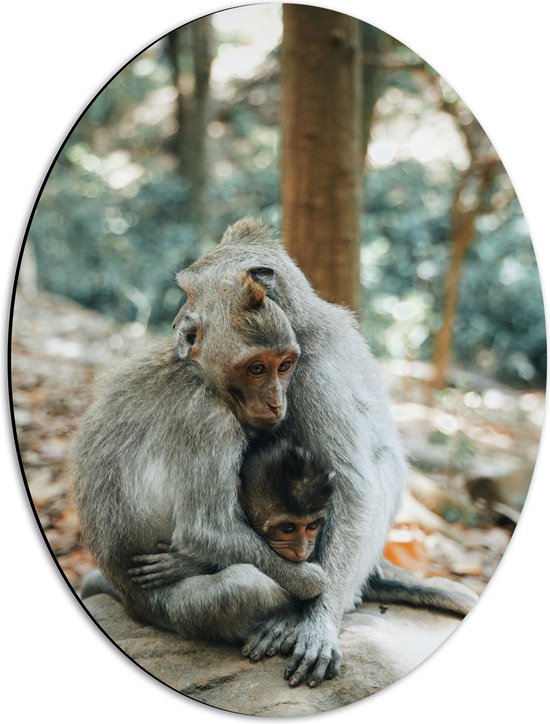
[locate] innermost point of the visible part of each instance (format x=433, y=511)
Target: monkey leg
x=223, y=606
x=94, y=583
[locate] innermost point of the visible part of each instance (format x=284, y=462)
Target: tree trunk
x=201, y=49
x=374, y=44
x=192, y=111
x=476, y=181
x=463, y=233
x=321, y=149
x=173, y=41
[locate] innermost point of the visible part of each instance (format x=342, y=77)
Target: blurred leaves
x=113, y=224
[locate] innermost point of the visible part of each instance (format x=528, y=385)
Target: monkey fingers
x=267, y=640
x=154, y=570
x=258, y=645
x=313, y=659
x=289, y=642
x=324, y=663
x=327, y=666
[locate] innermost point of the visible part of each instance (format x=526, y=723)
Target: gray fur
x=391, y=584
x=157, y=460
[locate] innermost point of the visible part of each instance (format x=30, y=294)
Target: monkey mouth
x=267, y=422
x=258, y=422
x=295, y=556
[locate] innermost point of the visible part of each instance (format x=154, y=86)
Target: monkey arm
x=153, y=570
x=311, y=639
x=237, y=543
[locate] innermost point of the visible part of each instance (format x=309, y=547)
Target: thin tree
x=322, y=157
x=192, y=107
x=471, y=198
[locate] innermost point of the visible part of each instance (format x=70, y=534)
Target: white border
x=56, y=55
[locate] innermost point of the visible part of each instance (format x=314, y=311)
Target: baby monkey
x=284, y=492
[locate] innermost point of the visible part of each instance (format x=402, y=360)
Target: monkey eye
x=285, y=365
x=314, y=525
x=257, y=369
x=288, y=527
x=190, y=337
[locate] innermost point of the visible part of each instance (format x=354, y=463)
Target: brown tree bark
x=322, y=158
x=375, y=45
x=192, y=109
x=463, y=233
x=475, y=181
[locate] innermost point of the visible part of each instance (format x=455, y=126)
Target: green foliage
x=406, y=228
x=111, y=227
x=112, y=253
x=499, y=328
x=500, y=320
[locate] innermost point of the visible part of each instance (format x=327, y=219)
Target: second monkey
x=284, y=493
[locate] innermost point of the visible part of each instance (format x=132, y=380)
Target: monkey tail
x=391, y=584
x=95, y=582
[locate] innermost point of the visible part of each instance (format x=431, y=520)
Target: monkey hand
x=305, y=580
x=314, y=647
x=269, y=636
x=315, y=652
x=158, y=569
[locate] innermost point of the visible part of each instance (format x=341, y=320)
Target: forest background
x=188, y=137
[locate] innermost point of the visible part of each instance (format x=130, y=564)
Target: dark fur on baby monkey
x=284, y=493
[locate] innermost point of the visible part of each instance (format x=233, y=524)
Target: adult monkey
x=158, y=457
x=337, y=407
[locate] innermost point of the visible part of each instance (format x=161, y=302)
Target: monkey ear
x=252, y=293
x=186, y=330
x=265, y=276
x=187, y=345
x=178, y=318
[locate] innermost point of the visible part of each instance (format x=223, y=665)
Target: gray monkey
x=158, y=457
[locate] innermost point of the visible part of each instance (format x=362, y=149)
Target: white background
x=55, y=56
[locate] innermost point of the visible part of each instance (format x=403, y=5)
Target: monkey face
x=292, y=537
x=242, y=341
x=257, y=386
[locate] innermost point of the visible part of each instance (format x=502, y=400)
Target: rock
x=380, y=644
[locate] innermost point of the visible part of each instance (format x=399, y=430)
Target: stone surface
x=380, y=644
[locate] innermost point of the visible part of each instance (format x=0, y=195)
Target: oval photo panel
x=278, y=360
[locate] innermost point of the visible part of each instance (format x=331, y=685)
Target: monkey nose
x=300, y=554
